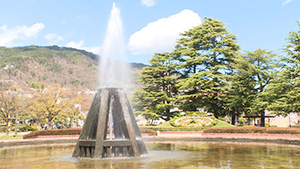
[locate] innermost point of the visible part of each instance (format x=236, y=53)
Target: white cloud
x=161, y=35
x=80, y=16
x=53, y=37
x=79, y=45
x=148, y=3
x=287, y=2
x=8, y=35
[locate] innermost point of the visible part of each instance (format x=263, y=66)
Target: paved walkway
x=12, y=133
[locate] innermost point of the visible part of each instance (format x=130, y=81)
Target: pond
x=179, y=154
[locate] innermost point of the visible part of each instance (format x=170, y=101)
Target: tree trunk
x=50, y=125
x=16, y=124
x=262, y=119
x=233, y=119
x=71, y=123
x=7, y=128
x=216, y=114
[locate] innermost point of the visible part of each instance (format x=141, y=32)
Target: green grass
x=10, y=137
x=220, y=124
x=223, y=124
x=166, y=124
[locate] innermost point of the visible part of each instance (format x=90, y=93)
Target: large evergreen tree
x=284, y=90
x=206, y=53
x=157, y=97
x=263, y=65
x=242, y=88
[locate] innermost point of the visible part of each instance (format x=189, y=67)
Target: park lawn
x=165, y=124
x=224, y=124
x=220, y=124
x=5, y=137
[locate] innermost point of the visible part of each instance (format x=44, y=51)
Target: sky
x=149, y=26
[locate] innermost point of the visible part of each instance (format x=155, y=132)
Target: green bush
x=32, y=128
x=221, y=118
x=24, y=127
x=196, y=113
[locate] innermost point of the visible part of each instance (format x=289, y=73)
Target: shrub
x=25, y=127
x=222, y=118
x=53, y=132
x=196, y=113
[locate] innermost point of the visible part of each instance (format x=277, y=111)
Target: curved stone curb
x=228, y=139
x=35, y=142
x=164, y=137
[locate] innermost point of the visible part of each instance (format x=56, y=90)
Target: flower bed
x=270, y=130
x=192, y=121
x=195, y=121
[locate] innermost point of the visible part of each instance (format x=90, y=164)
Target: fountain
x=111, y=131
x=110, y=109
x=114, y=70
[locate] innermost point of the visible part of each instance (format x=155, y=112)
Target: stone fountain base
x=110, y=115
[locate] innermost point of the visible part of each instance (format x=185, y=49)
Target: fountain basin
x=161, y=154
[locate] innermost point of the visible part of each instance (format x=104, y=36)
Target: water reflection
x=161, y=155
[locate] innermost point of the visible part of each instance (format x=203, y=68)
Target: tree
x=262, y=64
x=284, y=89
x=10, y=104
x=74, y=103
x=206, y=53
x=157, y=97
x=283, y=93
x=242, y=88
x=48, y=104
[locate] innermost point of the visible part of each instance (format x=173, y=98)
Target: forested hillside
x=52, y=64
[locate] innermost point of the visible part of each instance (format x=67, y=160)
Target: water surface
x=177, y=155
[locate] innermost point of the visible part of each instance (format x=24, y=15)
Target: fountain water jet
x=110, y=109
x=114, y=71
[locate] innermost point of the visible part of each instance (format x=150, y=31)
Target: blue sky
x=149, y=25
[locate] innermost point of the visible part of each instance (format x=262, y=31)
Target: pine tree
x=206, y=52
x=284, y=90
x=157, y=97
x=242, y=88
x=263, y=64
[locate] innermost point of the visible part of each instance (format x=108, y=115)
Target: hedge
x=270, y=130
x=73, y=131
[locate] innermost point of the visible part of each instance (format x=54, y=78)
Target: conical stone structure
x=110, y=129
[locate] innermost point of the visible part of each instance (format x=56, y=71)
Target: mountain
x=52, y=64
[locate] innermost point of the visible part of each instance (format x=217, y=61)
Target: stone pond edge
x=71, y=141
